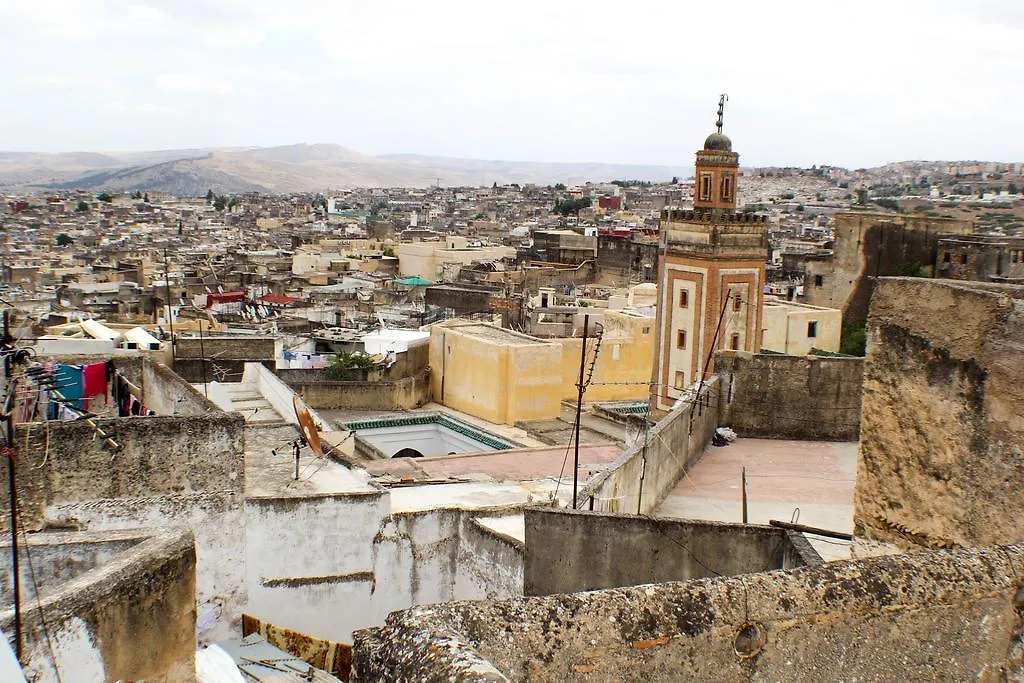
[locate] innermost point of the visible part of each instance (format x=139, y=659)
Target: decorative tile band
x=433, y=419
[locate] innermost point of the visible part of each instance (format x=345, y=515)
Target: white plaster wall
x=277, y=393
x=217, y=520
x=75, y=649
x=309, y=561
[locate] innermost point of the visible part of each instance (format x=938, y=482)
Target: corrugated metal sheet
x=260, y=661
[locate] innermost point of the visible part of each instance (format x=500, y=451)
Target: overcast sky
x=846, y=83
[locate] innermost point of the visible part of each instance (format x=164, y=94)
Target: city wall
x=955, y=615
x=639, y=479
x=942, y=427
x=790, y=397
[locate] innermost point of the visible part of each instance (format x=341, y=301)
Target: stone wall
x=128, y=614
x=639, y=479
x=870, y=245
x=401, y=394
x=942, y=427
x=940, y=614
x=568, y=551
x=790, y=397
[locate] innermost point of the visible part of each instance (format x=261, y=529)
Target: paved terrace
x=816, y=477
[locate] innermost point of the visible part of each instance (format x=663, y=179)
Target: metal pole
x=170, y=311
x=579, y=409
x=202, y=360
x=743, y=487
x=8, y=349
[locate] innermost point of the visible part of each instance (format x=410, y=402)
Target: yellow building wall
x=625, y=360
x=785, y=328
x=499, y=382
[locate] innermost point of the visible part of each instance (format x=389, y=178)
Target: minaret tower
x=711, y=274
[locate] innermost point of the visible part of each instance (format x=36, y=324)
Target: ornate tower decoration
x=711, y=274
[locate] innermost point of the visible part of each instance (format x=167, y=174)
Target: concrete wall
x=278, y=394
x=791, y=397
x=942, y=432
x=129, y=615
x=953, y=616
x=643, y=475
x=568, y=551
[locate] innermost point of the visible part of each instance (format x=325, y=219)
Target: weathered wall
x=622, y=370
x=132, y=617
x=568, y=551
x=790, y=397
x=225, y=354
x=942, y=426
x=305, y=554
x=869, y=245
x=954, y=616
x=401, y=394
x=643, y=475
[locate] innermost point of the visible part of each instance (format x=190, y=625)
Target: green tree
x=912, y=269
x=64, y=240
x=560, y=187
x=82, y=207
x=349, y=366
x=104, y=197
x=568, y=206
x=1012, y=188
x=220, y=202
x=145, y=198
x=854, y=340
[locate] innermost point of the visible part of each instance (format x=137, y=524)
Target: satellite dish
x=308, y=427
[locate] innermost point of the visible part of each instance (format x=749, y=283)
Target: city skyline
x=808, y=84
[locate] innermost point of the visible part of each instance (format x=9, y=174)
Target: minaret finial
x=721, y=110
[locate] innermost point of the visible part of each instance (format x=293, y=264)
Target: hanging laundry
x=94, y=382
x=70, y=384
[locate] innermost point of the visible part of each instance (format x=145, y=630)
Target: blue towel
x=70, y=383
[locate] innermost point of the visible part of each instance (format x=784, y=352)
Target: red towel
x=94, y=379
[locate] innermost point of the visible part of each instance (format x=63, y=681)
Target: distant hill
x=292, y=168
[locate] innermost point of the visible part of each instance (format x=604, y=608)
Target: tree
x=104, y=197
x=560, y=187
x=136, y=195
x=220, y=202
x=349, y=366
x=912, y=269
x=854, y=340
x=145, y=198
x=209, y=196
x=568, y=206
x=64, y=240
x=82, y=207
x=1011, y=188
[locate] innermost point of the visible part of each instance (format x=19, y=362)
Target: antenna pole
x=579, y=409
x=8, y=348
x=202, y=359
x=170, y=311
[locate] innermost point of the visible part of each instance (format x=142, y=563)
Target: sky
x=843, y=83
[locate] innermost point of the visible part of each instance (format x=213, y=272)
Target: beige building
x=495, y=374
x=427, y=259
x=794, y=328
x=625, y=358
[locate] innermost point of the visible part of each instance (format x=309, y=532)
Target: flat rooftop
x=815, y=477
x=497, y=335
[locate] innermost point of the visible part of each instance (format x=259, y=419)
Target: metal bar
x=810, y=530
x=743, y=486
x=8, y=346
x=202, y=360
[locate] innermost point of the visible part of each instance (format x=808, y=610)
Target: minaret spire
x=721, y=110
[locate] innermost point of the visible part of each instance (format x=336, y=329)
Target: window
x=963, y=259
x=680, y=379
x=1013, y=256
x=812, y=329
x=946, y=258
x=681, y=339
x=684, y=298
x=737, y=302
x=819, y=280
x=734, y=342
x=727, y=187
x=705, y=186
x=647, y=330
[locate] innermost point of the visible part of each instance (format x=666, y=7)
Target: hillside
x=291, y=168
